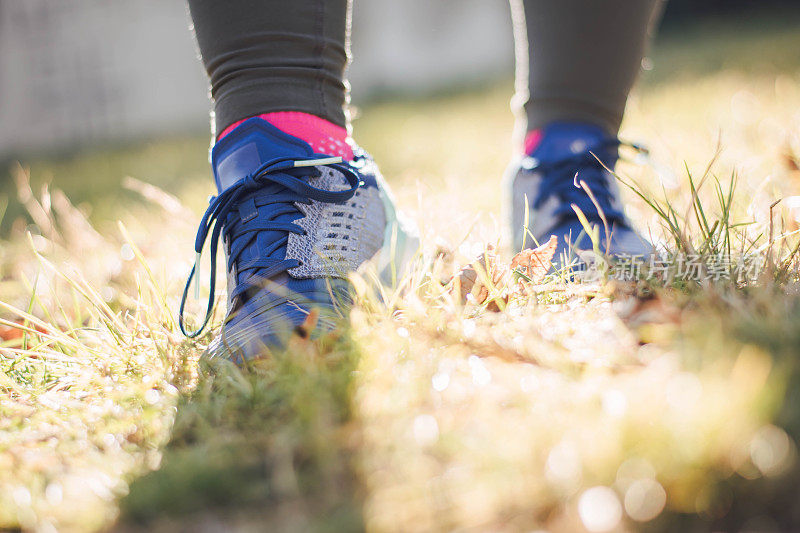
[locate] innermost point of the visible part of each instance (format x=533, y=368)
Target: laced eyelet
x=220, y=216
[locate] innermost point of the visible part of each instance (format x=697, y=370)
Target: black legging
x=576, y=59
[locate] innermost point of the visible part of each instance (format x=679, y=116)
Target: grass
x=659, y=404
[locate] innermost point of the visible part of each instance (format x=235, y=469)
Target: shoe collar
x=558, y=140
x=251, y=144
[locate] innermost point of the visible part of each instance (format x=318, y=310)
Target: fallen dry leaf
x=536, y=262
x=637, y=305
x=309, y=324
x=790, y=159
x=8, y=333
x=11, y=333
x=468, y=282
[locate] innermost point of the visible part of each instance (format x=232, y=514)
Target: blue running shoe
x=294, y=224
x=563, y=155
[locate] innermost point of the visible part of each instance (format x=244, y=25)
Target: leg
x=295, y=221
x=580, y=58
x=267, y=56
x=576, y=62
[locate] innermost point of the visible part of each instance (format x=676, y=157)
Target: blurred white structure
x=78, y=72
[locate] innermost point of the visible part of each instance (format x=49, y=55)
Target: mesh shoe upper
x=548, y=179
x=294, y=224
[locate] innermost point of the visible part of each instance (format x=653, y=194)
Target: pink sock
x=532, y=140
x=323, y=136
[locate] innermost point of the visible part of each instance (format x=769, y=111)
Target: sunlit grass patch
x=274, y=435
x=88, y=363
x=553, y=413
x=532, y=402
x=545, y=402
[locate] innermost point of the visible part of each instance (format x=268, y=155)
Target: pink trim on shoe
x=532, y=141
x=324, y=137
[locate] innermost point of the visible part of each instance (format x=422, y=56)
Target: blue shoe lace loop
x=252, y=192
x=561, y=179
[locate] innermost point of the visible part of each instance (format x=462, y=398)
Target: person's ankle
x=324, y=136
x=553, y=136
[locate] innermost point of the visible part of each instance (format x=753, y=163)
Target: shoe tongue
x=558, y=140
x=251, y=144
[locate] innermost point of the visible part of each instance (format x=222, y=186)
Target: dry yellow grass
x=595, y=406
